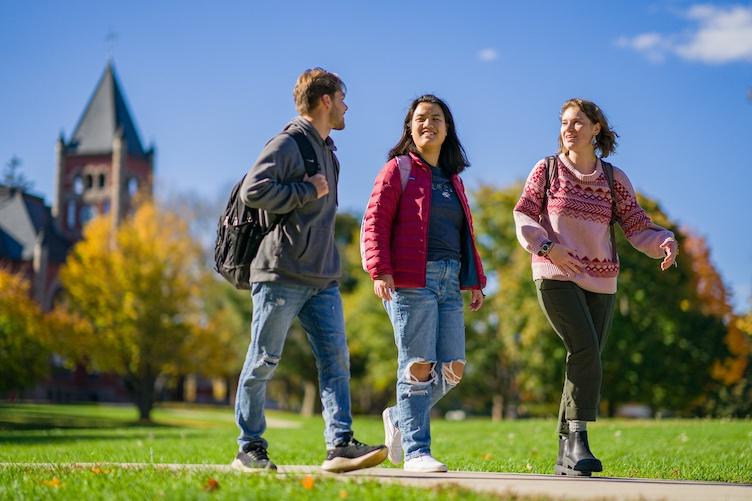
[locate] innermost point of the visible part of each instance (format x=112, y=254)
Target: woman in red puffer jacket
x=419, y=248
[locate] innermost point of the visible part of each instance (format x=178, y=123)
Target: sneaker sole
x=342, y=465
x=440, y=469
x=239, y=466
x=392, y=440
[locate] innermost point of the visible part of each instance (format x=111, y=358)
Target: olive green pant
x=582, y=320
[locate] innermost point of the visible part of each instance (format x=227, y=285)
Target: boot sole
x=584, y=465
x=569, y=472
x=342, y=465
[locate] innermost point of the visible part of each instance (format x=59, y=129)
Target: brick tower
x=103, y=167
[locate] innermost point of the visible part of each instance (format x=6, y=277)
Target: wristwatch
x=545, y=248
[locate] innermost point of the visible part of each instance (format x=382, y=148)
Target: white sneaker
x=425, y=464
x=392, y=438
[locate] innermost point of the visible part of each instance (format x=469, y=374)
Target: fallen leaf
x=211, y=485
x=307, y=482
x=343, y=494
x=54, y=483
x=487, y=456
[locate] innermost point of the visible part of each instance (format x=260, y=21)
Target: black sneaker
x=353, y=456
x=255, y=458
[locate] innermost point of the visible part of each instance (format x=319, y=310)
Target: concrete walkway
x=556, y=487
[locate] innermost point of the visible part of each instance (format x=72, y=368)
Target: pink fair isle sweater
x=577, y=215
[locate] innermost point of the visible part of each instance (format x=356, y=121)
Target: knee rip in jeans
x=266, y=362
x=449, y=371
x=418, y=386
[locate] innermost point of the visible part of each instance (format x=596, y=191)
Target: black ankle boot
x=563, y=444
x=575, y=458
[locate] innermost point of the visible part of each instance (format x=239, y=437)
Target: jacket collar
x=313, y=134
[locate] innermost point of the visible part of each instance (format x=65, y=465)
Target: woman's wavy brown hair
x=605, y=141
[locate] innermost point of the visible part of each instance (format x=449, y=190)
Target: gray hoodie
x=302, y=251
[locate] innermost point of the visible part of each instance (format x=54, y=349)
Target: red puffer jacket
x=396, y=228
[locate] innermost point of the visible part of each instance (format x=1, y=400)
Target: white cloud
x=652, y=45
x=488, y=55
x=722, y=35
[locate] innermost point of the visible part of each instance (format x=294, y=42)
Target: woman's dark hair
x=605, y=141
x=452, y=158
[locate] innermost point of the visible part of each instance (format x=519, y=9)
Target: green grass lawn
x=715, y=450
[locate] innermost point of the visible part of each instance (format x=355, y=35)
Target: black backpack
x=240, y=232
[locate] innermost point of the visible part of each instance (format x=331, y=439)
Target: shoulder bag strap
x=608, y=170
x=551, y=169
x=306, y=150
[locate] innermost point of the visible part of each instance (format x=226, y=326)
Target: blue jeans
x=429, y=327
x=275, y=305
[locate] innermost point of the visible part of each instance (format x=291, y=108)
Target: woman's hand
x=671, y=248
x=563, y=257
x=476, y=299
x=383, y=287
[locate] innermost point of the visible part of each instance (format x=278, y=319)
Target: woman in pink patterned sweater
x=567, y=230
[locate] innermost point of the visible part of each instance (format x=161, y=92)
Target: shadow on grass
x=56, y=440
x=27, y=420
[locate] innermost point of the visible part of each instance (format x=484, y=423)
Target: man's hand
x=383, y=287
x=319, y=182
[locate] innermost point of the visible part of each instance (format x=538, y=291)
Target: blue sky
x=210, y=83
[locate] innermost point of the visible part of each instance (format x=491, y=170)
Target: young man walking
x=295, y=273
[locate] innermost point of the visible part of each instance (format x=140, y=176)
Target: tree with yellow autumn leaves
x=24, y=341
x=139, y=288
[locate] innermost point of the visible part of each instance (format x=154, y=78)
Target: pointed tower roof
x=105, y=115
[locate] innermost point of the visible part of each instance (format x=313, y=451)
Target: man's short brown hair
x=311, y=85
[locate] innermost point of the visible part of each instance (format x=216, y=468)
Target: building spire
x=105, y=113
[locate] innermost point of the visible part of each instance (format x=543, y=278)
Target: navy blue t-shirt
x=446, y=220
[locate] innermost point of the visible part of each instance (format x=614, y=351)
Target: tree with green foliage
x=513, y=358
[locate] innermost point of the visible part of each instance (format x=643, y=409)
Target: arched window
x=101, y=181
x=70, y=214
x=89, y=181
x=88, y=212
x=132, y=186
x=78, y=185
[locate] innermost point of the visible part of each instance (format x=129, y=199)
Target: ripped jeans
x=275, y=305
x=428, y=327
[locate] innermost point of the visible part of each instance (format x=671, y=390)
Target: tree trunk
x=232, y=389
x=141, y=389
x=309, y=399
x=180, y=388
x=611, y=408
x=497, y=410
x=146, y=398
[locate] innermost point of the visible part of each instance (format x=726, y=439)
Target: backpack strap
x=551, y=170
x=608, y=170
x=405, y=166
x=306, y=150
